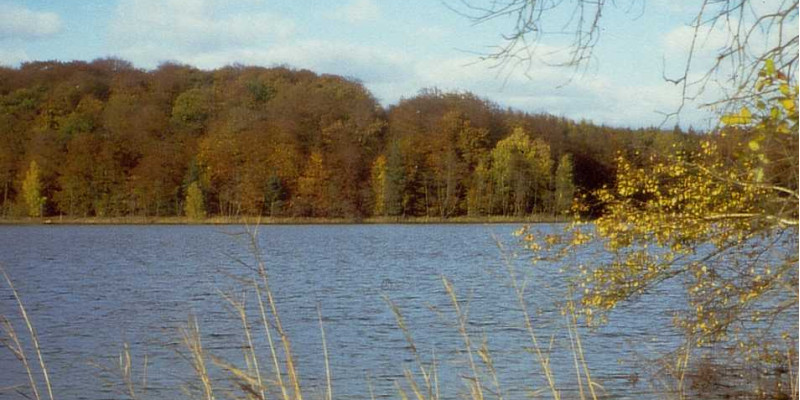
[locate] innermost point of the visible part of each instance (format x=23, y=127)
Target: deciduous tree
x=194, y=205
x=564, y=185
x=712, y=220
x=32, y=191
x=521, y=169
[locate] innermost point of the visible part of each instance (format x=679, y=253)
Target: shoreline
x=254, y=220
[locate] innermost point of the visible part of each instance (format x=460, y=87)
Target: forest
x=107, y=139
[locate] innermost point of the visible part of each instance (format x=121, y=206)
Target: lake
x=89, y=289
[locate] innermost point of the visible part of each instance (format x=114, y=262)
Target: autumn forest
x=107, y=139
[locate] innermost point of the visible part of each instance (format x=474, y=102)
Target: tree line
x=104, y=139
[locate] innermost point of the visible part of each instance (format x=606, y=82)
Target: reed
x=791, y=359
x=329, y=386
x=429, y=373
x=519, y=292
x=251, y=360
x=33, y=337
x=294, y=381
x=476, y=390
x=193, y=342
x=273, y=353
x=125, y=365
x=122, y=369
x=581, y=367
x=11, y=341
x=486, y=356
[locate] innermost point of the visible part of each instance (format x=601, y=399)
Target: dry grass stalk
x=476, y=389
x=672, y=371
x=401, y=391
x=791, y=358
x=329, y=394
x=519, y=291
x=144, y=376
x=430, y=386
x=125, y=366
x=682, y=366
x=244, y=380
x=123, y=369
x=19, y=352
x=577, y=350
x=192, y=341
x=486, y=357
x=370, y=388
x=578, y=373
x=287, y=347
x=250, y=352
x=413, y=384
x=435, y=377
x=31, y=331
x=273, y=352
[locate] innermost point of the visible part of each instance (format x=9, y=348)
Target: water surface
x=89, y=289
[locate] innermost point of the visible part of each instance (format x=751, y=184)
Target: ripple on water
x=89, y=288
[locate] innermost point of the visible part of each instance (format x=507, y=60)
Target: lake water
x=89, y=289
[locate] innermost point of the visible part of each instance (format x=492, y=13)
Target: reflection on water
x=91, y=288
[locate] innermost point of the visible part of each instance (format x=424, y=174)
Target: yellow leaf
x=742, y=118
x=769, y=66
x=745, y=113
x=759, y=175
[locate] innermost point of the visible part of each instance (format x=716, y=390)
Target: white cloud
x=11, y=58
x=556, y=91
x=183, y=25
x=18, y=22
x=203, y=34
x=680, y=39
x=358, y=11
x=684, y=8
x=366, y=63
x=757, y=36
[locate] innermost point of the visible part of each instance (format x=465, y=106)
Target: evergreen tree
x=274, y=195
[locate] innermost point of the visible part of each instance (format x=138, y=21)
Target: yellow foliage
x=709, y=218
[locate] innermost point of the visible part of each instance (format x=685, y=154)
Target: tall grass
x=16, y=347
x=197, y=357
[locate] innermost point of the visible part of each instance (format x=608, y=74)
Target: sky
x=395, y=47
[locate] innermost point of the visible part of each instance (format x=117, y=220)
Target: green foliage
x=564, y=185
x=32, y=191
x=191, y=110
x=261, y=92
x=521, y=170
x=378, y=179
x=194, y=206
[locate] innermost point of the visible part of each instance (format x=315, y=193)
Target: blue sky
x=395, y=47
